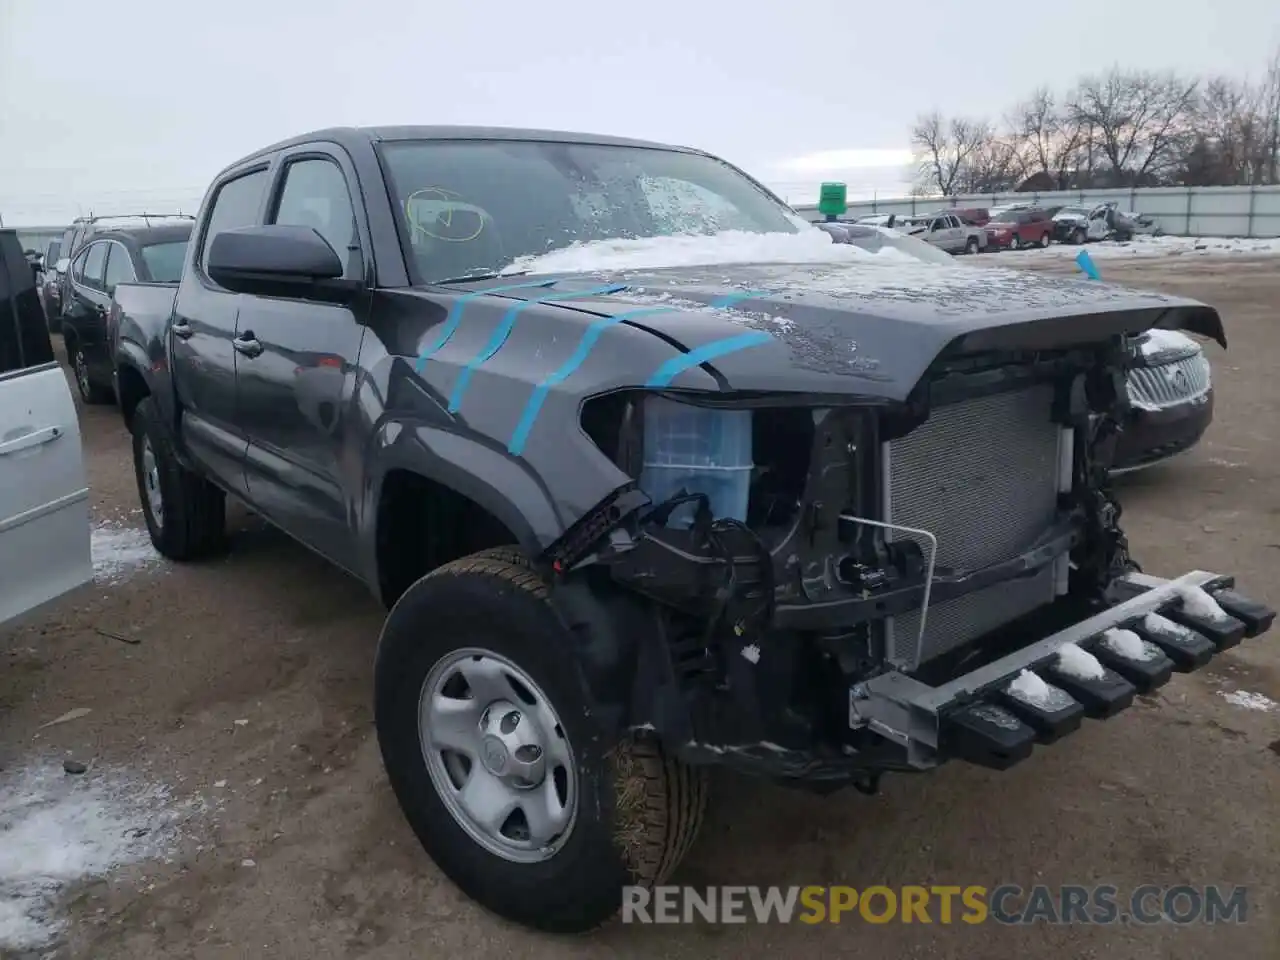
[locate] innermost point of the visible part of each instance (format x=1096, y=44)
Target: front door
x=297, y=372
x=200, y=339
x=44, y=498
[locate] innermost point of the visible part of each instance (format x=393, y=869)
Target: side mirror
x=274, y=259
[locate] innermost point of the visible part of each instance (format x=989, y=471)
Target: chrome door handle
x=28, y=440
x=247, y=345
x=182, y=330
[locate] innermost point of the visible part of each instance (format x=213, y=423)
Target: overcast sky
x=137, y=103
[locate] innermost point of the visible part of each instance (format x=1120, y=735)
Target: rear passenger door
x=296, y=384
x=44, y=499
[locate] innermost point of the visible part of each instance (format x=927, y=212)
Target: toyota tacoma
x=653, y=476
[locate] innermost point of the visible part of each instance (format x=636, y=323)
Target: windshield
x=164, y=260
x=472, y=207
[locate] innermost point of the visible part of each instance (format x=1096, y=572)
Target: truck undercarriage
x=902, y=587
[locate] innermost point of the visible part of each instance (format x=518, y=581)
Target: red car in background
x=1019, y=228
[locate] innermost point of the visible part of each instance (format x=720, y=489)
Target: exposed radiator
x=983, y=476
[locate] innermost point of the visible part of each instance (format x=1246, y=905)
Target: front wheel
x=1046, y=240
x=1079, y=237
x=498, y=764
x=971, y=246
x=1015, y=243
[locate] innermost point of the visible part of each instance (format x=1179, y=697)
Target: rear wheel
x=1015, y=243
x=185, y=514
x=498, y=764
x=1046, y=240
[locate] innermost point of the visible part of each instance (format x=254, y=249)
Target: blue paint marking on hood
x=529, y=416
x=454, y=320
x=663, y=376
x=503, y=331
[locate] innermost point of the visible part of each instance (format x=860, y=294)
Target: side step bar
x=994, y=715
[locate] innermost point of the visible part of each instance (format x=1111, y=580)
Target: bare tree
x=945, y=148
x=1270, y=109
x=1047, y=137
x=1139, y=120
x=1231, y=135
x=996, y=165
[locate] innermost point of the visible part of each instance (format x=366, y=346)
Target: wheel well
x=133, y=390
x=422, y=524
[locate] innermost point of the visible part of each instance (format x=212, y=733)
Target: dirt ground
x=246, y=684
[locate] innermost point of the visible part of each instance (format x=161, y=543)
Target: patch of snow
x=751, y=652
x=1166, y=627
x=1127, y=644
x=1031, y=689
x=1078, y=663
x=732, y=246
x=59, y=829
x=1249, y=701
x=996, y=715
x=1197, y=603
x=1147, y=247
x=117, y=551
x=1159, y=339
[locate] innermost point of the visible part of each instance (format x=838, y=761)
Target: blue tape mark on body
x=1085, y=263
x=710, y=351
x=504, y=330
x=727, y=301
x=454, y=320
x=531, y=409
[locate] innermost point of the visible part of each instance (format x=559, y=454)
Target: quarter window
x=119, y=267
x=315, y=195
x=236, y=205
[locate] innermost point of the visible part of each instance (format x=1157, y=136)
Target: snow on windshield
x=732, y=246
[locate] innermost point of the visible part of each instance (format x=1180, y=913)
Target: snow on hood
x=1159, y=340
x=730, y=247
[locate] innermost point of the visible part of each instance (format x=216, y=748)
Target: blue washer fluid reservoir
x=699, y=450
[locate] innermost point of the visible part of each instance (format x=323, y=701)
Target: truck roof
x=346, y=136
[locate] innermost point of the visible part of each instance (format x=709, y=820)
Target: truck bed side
x=136, y=329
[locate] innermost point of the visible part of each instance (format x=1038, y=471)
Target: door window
x=24, y=334
x=94, y=265
x=236, y=205
x=315, y=195
x=119, y=267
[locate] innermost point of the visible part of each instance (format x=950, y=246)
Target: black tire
x=638, y=810
x=1079, y=237
x=971, y=246
x=90, y=391
x=1015, y=243
x=1046, y=240
x=193, y=521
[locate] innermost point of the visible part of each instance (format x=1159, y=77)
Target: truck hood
x=869, y=327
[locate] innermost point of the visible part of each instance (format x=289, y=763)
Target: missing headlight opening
x=839, y=543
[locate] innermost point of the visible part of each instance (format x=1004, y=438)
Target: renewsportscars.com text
x=1005, y=904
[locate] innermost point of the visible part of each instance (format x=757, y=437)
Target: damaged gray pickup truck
x=654, y=476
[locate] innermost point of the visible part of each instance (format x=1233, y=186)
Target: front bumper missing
x=976, y=717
